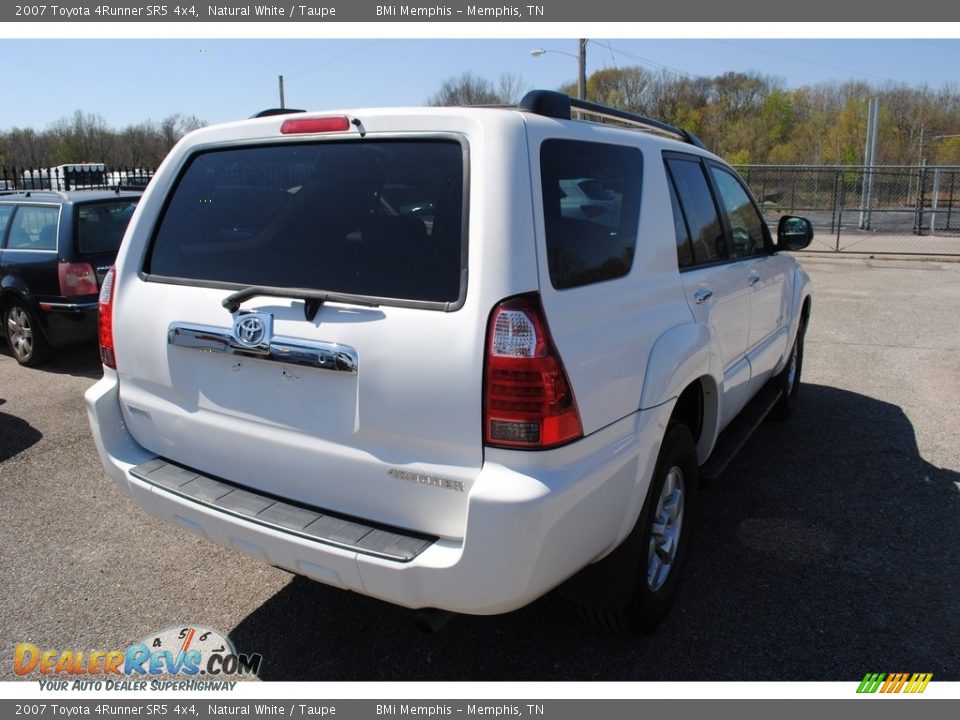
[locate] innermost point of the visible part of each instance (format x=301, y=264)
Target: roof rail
x=30, y=192
x=551, y=103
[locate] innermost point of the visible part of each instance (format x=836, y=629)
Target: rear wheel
x=24, y=337
x=657, y=546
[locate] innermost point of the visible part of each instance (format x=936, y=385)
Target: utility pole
x=582, y=75
x=869, y=160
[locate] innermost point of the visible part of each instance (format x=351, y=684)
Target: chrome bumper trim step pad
x=310, y=523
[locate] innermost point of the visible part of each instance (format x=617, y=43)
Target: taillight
x=528, y=402
x=107, y=356
x=334, y=123
x=77, y=279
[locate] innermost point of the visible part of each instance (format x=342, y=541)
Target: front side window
x=746, y=225
x=377, y=218
x=591, y=209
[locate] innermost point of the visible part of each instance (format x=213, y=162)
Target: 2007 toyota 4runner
x=448, y=357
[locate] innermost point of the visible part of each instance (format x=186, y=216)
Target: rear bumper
x=68, y=323
x=533, y=519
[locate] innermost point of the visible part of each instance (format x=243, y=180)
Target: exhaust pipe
x=430, y=621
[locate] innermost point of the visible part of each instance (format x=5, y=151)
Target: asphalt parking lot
x=830, y=547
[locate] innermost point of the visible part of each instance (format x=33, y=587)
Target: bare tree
x=511, y=88
x=467, y=89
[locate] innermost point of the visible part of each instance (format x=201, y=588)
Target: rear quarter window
x=381, y=218
x=591, y=208
x=34, y=227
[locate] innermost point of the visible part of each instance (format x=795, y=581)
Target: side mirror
x=794, y=233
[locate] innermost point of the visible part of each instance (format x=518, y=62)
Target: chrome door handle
x=701, y=296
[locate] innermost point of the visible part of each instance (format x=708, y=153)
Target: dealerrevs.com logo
x=910, y=683
x=190, y=651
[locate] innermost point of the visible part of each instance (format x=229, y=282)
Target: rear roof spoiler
x=276, y=111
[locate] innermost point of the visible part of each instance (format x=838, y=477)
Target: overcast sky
x=131, y=81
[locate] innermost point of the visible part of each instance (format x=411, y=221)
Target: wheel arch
x=698, y=407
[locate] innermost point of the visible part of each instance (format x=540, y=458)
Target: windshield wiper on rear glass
x=313, y=300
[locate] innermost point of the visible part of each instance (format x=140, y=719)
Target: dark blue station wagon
x=55, y=249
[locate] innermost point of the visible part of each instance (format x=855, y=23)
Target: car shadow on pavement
x=828, y=549
x=76, y=360
x=16, y=435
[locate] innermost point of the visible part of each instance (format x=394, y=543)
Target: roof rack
x=551, y=103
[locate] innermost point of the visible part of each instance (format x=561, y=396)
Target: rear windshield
x=100, y=226
x=377, y=218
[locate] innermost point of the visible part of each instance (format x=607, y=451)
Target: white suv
x=374, y=347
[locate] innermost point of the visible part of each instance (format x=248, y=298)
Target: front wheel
x=24, y=337
x=789, y=379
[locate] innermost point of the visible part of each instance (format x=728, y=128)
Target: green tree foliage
x=753, y=118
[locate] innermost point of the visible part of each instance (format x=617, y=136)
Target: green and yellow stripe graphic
x=894, y=682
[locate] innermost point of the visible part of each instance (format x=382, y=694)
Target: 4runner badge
x=423, y=479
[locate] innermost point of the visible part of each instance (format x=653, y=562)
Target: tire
x=789, y=379
x=658, y=543
x=24, y=337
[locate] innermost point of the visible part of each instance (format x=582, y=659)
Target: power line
x=333, y=60
x=648, y=61
x=804, y=60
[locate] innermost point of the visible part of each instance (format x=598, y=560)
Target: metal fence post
x=953, y=176
x=921, y=190
x=843, y=200
x=934, y=202
x=836, y=198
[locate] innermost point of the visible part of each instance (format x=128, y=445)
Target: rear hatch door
x=297, y=326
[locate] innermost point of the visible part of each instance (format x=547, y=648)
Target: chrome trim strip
x=68, y=307
x=30, y=250
x=292, y=351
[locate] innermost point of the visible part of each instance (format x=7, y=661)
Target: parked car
x=55, y=249
x=453, y=417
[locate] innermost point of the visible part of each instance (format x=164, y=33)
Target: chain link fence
x=908, y=210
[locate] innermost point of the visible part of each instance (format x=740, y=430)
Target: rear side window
x=375, y=218
x=100, y=226
x=34, y=227
x=698, y=209
x=591, y=207
x=684, y=246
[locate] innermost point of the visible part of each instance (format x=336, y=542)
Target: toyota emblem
x=249, y=331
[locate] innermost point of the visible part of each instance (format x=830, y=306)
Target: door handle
x=701, y=296
x=753, y=279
